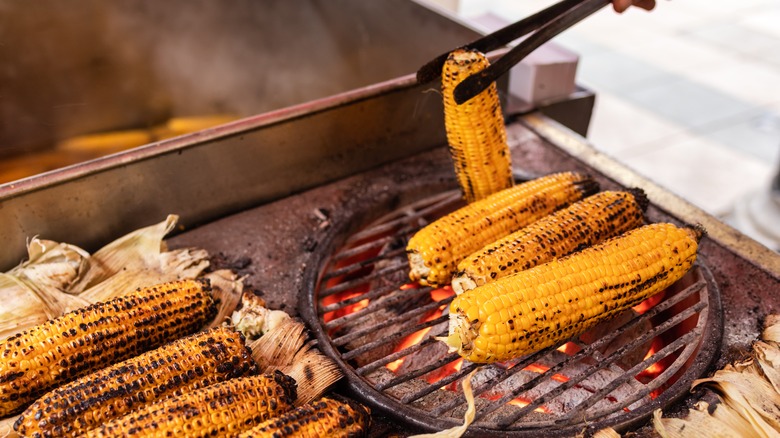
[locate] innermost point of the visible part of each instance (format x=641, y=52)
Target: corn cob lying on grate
x=476, y=133
x=87, y=339
x=181, y=366
x=550, y=303
x=223, y=409
x=582, y=224
x=321, y=418
x=435, y=251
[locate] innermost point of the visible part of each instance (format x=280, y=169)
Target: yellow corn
x=582, y=224
x=435, y=251
x=550, y=303
x=181, y=366
x=476, y=133
x=79, y=342
x=223, y=409
x=324, y=417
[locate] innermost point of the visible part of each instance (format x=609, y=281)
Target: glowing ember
x=346, y=310
x=569, y=348
x=656, y=369
x=522, y=402
x=442, y=293
x=541, y=369
x=649, y=303
x=414, y=338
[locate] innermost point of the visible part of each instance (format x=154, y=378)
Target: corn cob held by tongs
x=79, y=342
x=476, y=133
x=550, y=303
x=580, y=225
x=435, y=251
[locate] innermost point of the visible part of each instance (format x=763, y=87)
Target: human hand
x=622, y=5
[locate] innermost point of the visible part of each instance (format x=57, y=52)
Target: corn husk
x=138, y=259
x=468, y=417
x=58, y=277
x=700, y=423
x=284, y=348
x=606, y=433
x=227, y=288
x=7, y=427
x=31, y=293
x=253, y=319
x=749, y=395
x=771, y=331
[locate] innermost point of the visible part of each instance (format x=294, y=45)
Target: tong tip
x=432, y=69
x=470, y=87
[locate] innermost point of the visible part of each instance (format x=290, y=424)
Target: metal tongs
x=546, y=24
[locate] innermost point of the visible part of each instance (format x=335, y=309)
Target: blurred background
x=688, y=95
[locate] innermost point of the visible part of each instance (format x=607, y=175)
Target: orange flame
x=649, y=303
x=442, y=293
x=346, y=310
x=414, y=338
x=569, y=348
x=523, y=402
x=537, y=368
x=654, y=370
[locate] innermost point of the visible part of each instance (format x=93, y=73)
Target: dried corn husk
x=283, y=347
x=31, y=293
x=748, y=392
x=253, y=319
x=7, y=428
x=606, y=433
x=138, y=259
x=58, y=277
x=468, y=417
x=227, y=289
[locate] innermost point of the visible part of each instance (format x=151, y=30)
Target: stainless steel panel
x=215, y=172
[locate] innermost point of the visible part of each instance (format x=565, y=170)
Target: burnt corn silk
x=546, y=305
x=578, y=226
x=62, y=349
x=174, y=369
x=435, y=251
x=476, y=133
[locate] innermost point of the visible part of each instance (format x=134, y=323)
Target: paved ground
x=688, y=94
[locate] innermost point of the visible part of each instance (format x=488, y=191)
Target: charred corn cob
x=550, y=303
x=324, y=417
x=475, y=130
x=224, y=409
x=55, y=352
x=176, y=368
x=435, y=251
x=582, y=224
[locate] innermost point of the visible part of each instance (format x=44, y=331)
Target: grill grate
x=613, y=375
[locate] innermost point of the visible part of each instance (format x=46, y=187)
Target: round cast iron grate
x=380, y=329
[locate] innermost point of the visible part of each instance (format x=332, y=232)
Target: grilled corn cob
x=55, y=352
x=324, y=417
x=224, y=409
x=475, y=130
x=435, y=251
x=582, y=224
x=550, y=303
x=181, y=366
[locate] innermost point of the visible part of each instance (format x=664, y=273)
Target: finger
x=621, y=5
x=647, y=5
